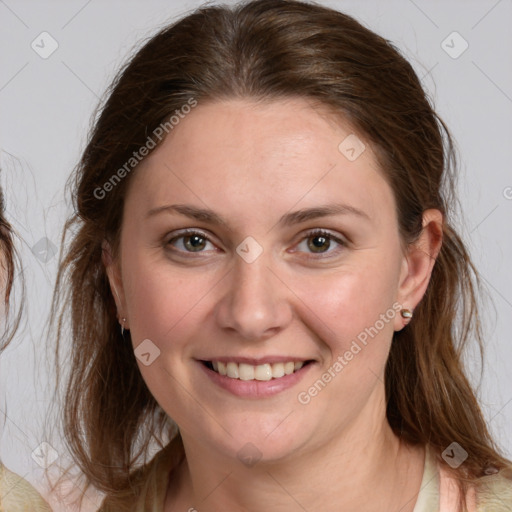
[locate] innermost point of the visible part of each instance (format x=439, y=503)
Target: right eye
x=189, y=242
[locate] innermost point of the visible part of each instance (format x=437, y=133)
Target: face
x=250, y=238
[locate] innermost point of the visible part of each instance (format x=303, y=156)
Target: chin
x=260, y=440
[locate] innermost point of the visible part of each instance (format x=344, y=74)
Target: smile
x=256, y=378
x=261, y=372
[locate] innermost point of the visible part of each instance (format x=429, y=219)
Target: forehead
x=244, y=151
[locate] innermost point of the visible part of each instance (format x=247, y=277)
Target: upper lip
x=257, y=361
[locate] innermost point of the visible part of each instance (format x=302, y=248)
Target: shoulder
x=493, y=493
x=18, y=495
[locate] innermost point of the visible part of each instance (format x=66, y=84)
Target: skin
x=252, y=163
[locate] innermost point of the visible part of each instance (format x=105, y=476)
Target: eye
x=316, y=242
x=190, y=241
x=319, y=242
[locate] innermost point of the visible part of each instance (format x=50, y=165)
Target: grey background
x=46, y=106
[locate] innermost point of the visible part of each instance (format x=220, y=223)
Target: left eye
x=319, y=242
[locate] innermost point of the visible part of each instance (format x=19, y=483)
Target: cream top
x=439, y=492
x=17, y=495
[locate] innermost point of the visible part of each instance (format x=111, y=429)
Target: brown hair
x=8, y=258
x=269, y=50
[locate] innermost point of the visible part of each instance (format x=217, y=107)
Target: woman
x=16, y=494
x=264, y=284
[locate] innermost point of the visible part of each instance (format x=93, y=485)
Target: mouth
x=261, y=372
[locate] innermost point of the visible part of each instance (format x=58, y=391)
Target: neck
x=332, y=476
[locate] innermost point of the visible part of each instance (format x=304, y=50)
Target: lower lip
x=256, y=388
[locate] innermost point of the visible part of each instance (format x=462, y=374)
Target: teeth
x=222, y=368
x=261, y=372
x=277, y=370
x=232, y=370
x=246, y=371
x=288, y=368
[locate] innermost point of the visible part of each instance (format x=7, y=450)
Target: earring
x=123, y=320
x=406, y=314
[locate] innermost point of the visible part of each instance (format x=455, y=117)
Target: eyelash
x=310, y=234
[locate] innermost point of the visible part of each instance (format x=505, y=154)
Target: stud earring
x=406, y=314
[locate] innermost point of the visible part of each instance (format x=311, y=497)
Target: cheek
x=345, y=304
x=169, y=309
x=162, y=305
x=353, y=316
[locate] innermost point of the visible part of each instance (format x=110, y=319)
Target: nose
x=255, y=304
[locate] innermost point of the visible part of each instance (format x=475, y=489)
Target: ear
x=418, y=263
x=116, y=283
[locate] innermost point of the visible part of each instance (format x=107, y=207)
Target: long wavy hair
x=267, y=50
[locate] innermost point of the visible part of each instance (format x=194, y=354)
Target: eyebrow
x=289, y=219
